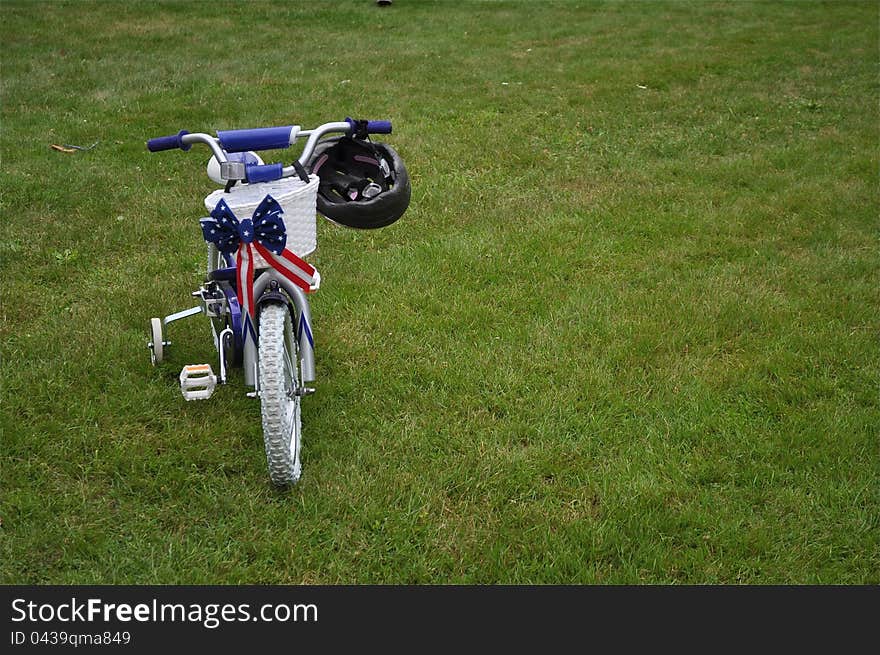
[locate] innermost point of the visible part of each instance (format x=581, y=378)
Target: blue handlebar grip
x=168, y=142
x=379, y=127
x=264, y=173
x=260, y=138
x=371, y=127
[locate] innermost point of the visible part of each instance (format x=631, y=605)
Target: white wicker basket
x=297, y=199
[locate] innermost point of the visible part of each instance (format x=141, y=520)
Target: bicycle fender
x=300, y=314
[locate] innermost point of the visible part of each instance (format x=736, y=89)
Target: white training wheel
x=155, y=345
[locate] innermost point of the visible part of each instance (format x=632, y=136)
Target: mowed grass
x=627, y=331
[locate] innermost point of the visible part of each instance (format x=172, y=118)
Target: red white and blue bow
x=266, y=233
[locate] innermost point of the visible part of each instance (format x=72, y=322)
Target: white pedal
x=197, y=381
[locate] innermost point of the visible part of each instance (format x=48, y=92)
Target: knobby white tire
x=280, y=404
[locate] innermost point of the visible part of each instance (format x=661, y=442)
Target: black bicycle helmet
x=363, y=184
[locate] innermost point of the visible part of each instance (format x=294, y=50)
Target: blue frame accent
x=235, y=315
x=304, y=327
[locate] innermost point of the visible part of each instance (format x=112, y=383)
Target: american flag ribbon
x=265, y=233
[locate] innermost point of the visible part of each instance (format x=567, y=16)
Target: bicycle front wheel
x=279, y=356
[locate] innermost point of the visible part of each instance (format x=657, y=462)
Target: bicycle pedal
x=197, y=381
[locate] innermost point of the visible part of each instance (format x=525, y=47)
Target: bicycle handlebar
x=168, y=142
x=370, y=127
x=263, y=138
x=275, y=138
x=379, y=127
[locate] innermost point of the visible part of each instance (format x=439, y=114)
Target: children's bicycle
x=260, y=229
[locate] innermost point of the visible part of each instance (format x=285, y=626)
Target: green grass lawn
x=627, y=331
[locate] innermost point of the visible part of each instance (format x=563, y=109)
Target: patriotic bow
x=266, y=233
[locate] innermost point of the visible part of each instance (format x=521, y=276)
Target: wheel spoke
x=289, y=377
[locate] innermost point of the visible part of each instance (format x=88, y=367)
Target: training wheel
x=156, y=345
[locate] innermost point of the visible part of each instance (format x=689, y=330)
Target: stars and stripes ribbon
x=265, y=233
